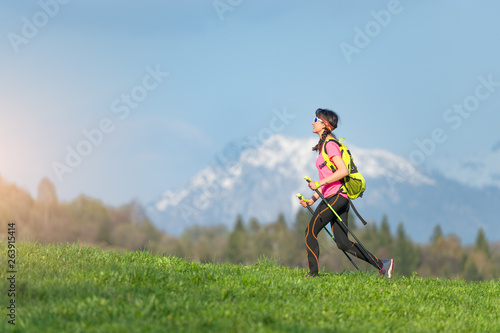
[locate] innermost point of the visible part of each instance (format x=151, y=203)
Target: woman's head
x=326, y=123
x=329, y=118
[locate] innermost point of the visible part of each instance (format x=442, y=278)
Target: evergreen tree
x=46, y=192
x=298, y=233
x=369, y=237
x=406, y=255
x=353, y=221
x=47, y=203
x=237, y=243
x=436, y=234
x=482, y=244
x=254, y=226
x=385, y=237
x=302, y=220
x=91, y=222
x=471, y=272
x=281, y=221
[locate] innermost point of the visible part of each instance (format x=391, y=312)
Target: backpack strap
x=356, y=212
x=330, y=164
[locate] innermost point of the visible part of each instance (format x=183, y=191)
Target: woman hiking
x=330, y=186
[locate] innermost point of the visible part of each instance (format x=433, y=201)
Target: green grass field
x=66, y=288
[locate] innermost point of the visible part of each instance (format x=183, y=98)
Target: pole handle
x=323, y=198
x=301, y=197
x=310, y=180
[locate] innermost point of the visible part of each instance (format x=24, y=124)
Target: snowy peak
x=371, y=163
x=284, y=154
x=379, y=163
x=290, y=158
x=171, y=198
x=278, y=162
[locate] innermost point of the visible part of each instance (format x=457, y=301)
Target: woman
x=329, y=185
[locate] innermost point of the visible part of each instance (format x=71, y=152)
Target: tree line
x=443, y=257
x=88, y=221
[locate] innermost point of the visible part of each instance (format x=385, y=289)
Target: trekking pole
x=301, y=197
x=338, y=217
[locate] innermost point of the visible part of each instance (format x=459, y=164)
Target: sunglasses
x=317, y=119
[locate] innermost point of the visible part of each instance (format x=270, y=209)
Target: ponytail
x=321, y=141
x=332, y=119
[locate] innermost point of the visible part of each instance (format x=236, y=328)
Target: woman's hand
x=307, y=202
x=314, y=185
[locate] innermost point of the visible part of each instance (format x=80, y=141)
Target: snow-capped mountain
x=262, y=181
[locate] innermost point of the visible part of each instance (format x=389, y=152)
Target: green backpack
x=353, y=184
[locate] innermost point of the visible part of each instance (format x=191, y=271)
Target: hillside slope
x=67, y=288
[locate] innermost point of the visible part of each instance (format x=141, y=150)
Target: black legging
x=324, y=215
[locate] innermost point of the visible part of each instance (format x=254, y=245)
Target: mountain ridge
x=261, y=182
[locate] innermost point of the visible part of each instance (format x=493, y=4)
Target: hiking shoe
x=312, y=274
x=387, y=266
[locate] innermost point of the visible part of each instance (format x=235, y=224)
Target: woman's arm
x=340, y=173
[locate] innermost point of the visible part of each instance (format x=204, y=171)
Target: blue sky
x=148, y=92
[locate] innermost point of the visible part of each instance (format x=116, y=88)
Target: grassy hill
x=68, y=288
